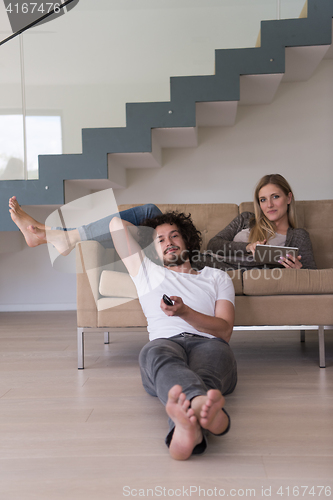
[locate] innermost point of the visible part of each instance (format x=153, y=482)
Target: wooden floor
x=94, y=434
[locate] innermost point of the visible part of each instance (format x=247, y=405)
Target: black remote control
x=167, y=300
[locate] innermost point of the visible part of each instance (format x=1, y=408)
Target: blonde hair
x=262, y=228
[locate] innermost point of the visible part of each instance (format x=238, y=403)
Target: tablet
x=270, y=254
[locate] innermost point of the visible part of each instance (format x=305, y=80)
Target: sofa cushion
x=237, y=281
x=316, y=217
x=284, y=310
x=115, y=284
x=288, y=281
x=120, y=285
x=110, y=302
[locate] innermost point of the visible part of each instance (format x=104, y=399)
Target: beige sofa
x=298, y=299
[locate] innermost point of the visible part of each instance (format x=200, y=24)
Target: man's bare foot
x=36, y=233
x=208, y=410
x=18, y=213
x=187, y=432
x=25, y=223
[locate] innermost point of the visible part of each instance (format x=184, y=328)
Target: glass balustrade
x=79, y=69
x=11, y=117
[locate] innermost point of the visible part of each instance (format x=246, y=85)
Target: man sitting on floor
x=188, y=363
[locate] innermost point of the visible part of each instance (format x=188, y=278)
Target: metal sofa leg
x=106, y=338
x=302, y=332
x=80, y=348
x=321, y=338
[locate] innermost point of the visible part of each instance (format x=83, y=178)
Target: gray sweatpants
x=194, y=362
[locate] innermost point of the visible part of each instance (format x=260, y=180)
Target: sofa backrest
x=209, y=218
x=314, y=216
x=317, y=218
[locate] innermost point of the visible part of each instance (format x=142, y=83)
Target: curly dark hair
x=190, y=234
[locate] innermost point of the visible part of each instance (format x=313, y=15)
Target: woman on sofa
x=273, y=223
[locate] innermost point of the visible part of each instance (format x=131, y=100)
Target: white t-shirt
x=198, y=291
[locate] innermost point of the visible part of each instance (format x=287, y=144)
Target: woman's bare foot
x=36, y=233
x=208, y=410
x=187, y=432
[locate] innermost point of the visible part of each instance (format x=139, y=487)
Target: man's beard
x=176, y=260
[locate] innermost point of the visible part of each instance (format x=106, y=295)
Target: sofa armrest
x=90, y=258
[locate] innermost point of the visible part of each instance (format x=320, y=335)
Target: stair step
x=140, y=159
x=301, y=62
x=177, y=137
x=78, y=188
x=258, y=89
x=216, y=114
x=329, y=53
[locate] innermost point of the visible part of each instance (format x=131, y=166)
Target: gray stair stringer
x=180, y=112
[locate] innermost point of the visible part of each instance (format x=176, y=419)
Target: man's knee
x=152, y=210
x=157, y=351
x=143, y=354
x=149, y=352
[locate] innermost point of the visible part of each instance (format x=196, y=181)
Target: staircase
x=287, y=50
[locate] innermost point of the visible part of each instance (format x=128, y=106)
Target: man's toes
x=214, y=395
x=182, y=399
x=190, y=413
x=175, y=392
x=192, y=419
x=186, y=404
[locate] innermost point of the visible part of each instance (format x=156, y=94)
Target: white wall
x=291, y=136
